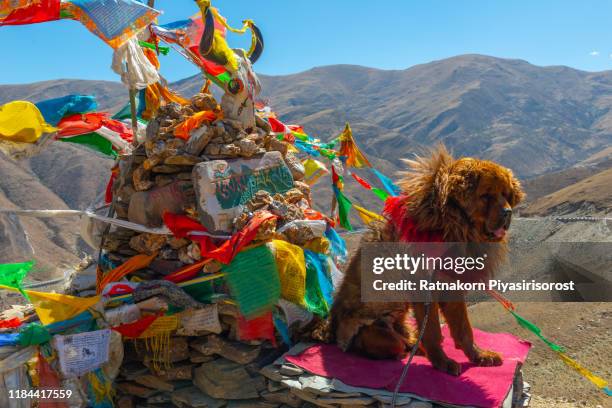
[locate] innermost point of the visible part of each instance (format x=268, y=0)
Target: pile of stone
x=210, y=177
x=202, y=369
x=221, y=177
x=290, y=381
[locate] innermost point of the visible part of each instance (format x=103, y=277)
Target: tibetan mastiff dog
x=459, y=200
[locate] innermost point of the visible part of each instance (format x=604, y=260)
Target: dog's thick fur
x=464, y=200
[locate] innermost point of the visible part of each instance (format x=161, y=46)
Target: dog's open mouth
x=496, y=234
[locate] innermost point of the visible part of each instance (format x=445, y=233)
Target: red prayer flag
x=361, y=181
x=134, y=330
x=37, y=11
x=80, y=124
x=186, y=272
x=259, y=328
x=276, y=125
x=48, y=380
x=181, y=225
x=10, y=323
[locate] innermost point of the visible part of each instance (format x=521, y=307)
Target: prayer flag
x=349, y=149
x=18, y=12
x=21, y=121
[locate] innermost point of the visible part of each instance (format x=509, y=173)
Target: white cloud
x=594, y=53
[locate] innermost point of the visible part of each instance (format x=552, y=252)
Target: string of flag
x=560, y=350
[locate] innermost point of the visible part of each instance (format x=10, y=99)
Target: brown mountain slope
x=48, y=241
x=548, y=183
x=110, y=95
x=591, y=195
x=532, y=119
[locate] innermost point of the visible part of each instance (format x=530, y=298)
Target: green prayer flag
x=344, y=207
x=93, y=141
x=33, y=334
x=12, y=275
x=382, y=194
x=313, y=297
x=162, y=50
x=253, y=281
x=202, y=291
x=318, y=285
x=535, y=330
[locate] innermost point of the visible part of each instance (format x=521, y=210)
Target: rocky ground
x=584, y=329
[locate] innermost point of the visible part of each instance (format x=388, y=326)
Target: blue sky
x=300, y=34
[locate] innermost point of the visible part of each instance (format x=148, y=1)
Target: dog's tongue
x=500, y=232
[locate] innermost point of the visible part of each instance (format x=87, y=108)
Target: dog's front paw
x=447, y=365
x=486, y=358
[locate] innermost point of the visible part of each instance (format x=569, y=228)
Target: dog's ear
x=516, y=194
x=463, y=183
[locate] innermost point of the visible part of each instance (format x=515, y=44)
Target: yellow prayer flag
x=21, y=121
x=314, y=169
x=161, y=325
x=291, y=267
x=348, y=148
x=319, y=245
x=598, y=381
x=56, y=307
x=366, y=215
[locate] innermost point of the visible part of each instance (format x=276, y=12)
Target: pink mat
x=476, y=386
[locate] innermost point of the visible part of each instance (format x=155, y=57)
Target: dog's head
x=474, y=198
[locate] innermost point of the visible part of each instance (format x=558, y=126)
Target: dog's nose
x=507, y=215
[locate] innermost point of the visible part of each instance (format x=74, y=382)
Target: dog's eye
x=485, y=197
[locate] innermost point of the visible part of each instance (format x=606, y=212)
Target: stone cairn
x=206, y=368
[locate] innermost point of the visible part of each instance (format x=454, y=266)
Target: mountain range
x=551, y=125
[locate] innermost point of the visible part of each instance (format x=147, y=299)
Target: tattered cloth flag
x=314, y=169
x=82, y=352
x=348, y=148
x=258, y=328
x=390, y=186
x=55, y=307
x=366, y=216
x=18, y=12
x=113, y=21
x=319, y=287
x=12, y=275
x=291, y=267
x=133, y=264
x=96, y=131
x=157, y=339
x=22, y=122
x=55, y=109
x=181, y=227
x=344, y=207
x=344, y=204
x=48, y=379
x=382, y=195
x=255, y=290
x=560, y=350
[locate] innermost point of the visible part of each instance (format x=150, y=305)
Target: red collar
x=396, y=212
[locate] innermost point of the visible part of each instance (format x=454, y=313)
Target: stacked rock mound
x=221, y=176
